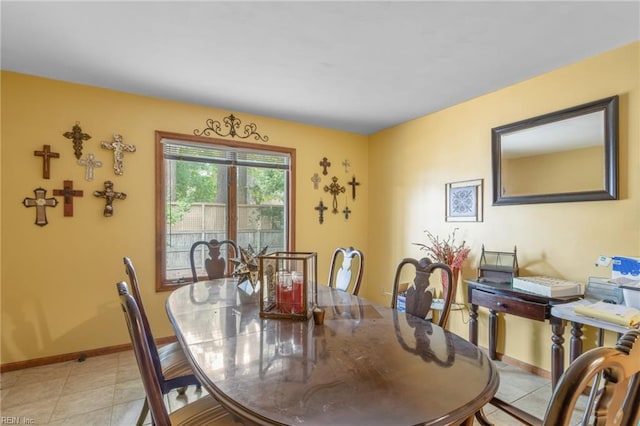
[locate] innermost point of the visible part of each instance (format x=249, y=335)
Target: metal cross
x=118, y=148
x=353, y=184
x=324, y=164
x=320, y=208
x=77, y=136
x=109, y=195
x=90, y=163
x=346, y=212
x=41, y=202
x=46, y=155
x=68, y=192
x=346, y=163
x=316, y=180
x=334, y=189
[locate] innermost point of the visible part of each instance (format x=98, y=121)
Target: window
x=217, y=189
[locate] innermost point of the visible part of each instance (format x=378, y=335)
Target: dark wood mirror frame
x=609, y=190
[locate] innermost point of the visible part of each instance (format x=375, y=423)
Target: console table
x=500, y=297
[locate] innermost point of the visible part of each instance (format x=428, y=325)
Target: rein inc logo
x=16, y=420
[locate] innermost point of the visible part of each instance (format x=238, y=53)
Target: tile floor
x=106, y=390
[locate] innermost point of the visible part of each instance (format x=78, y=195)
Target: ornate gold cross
x=77, y=137
x=334, y=189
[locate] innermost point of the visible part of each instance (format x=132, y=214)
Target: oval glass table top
x=367, y=364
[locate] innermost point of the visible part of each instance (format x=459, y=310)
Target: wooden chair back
x=150, y=371
x=135, y=293
x=343, y=274
x=215, y=264
x=612, y=374
x=419, y=296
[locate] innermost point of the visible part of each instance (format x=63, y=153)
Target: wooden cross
x=320, y=208
x=68, y=193
x=334, y=189
x=109, y=195
x=118, y=148
x=346, y=163
x=324, y=164
x=90, y=163
x=41, y=202
x=353, y=184
x=77, y=137
x=316, y=180
x=46, y=155
x=346, y=212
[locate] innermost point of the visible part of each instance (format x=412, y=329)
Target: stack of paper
x=547, y=286
x=617, y=314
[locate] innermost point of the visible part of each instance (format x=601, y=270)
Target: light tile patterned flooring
x=106, y=390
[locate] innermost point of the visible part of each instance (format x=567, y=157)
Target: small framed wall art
x=464, y=201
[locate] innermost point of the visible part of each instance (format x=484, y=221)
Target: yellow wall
x=58, y=292
x=558, y=172
x=58, y=281
x=409, y=165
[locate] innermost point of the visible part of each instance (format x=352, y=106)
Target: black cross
x=346, y=212
x=321, y=208
x=325, y=163
x=353, y=184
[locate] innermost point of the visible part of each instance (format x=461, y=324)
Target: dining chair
x=176, y=373
x=616, y=401
x=215, y=265
x=204, y=411
x=419, y=295
x=347, y=277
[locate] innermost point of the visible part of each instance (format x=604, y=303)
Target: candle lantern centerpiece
x=289, y=285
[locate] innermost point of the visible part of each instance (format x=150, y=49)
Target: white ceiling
x=351, y=65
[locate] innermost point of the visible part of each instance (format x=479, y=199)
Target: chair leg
x=143, y=413
x=482, y=419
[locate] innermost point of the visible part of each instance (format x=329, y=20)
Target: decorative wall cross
x=346, y=212
x=316, y=180
x=41, y=202
x=109, y=195
x=68, y=193
x=90, y=163
x=346, y=163
x=320, y=208
x=118, y=148
x=334, y=189
x=353, y=184
x=77, y=137
x=46, y=155
x=325, y=164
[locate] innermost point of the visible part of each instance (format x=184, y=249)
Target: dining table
x=366, y=364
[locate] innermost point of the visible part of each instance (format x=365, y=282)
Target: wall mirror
x=567, y=155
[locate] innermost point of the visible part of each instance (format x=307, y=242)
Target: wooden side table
x=498, y=297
